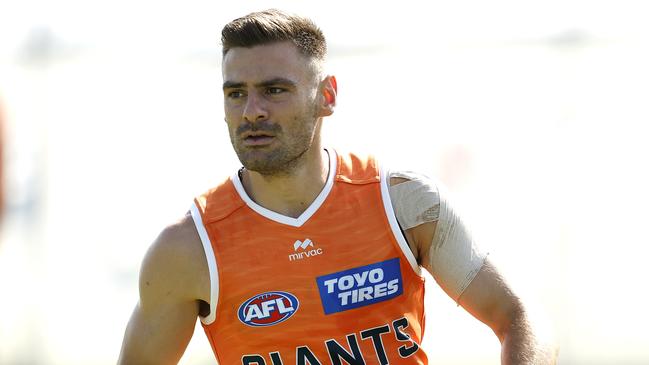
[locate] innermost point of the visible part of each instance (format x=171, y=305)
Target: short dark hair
x=270, y=26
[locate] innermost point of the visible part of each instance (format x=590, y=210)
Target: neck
x=292, y=193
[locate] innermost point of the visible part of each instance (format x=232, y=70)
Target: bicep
x=163, y=321
x=437, y=235
x=462, y=269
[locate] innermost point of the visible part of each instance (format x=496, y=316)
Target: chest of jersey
x=335, y=289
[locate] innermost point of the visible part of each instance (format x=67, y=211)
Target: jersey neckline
x=310, y=211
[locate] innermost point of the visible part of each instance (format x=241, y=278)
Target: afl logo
x=268, y=309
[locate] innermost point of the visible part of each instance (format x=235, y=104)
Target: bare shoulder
x=175, y=264
x=180, y=238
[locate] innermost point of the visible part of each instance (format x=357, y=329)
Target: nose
x=255, y=108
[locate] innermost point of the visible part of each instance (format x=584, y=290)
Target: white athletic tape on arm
x=455, y=258
x=415, y=203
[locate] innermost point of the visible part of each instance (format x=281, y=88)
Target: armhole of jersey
x=211, y=264
x=394, y=224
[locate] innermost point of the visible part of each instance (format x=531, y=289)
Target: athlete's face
x=272, y=105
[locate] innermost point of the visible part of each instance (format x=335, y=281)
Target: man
x=307, y=255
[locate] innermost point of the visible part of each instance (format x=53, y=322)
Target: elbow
x=528, y=336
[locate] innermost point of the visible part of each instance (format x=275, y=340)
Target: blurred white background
x=533, y=113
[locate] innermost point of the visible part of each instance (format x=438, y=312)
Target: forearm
x=523, y=345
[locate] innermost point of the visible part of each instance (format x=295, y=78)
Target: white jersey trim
x=394, y=224
x=211, y=264
x=299, y=221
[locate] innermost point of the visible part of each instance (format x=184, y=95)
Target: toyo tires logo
x=360, y=286
x=268, y=309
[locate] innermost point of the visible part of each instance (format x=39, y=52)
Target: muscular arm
x=447, y=252
x=491, y=300
x=171, y=288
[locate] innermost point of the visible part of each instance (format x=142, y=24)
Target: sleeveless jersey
x=337, y=285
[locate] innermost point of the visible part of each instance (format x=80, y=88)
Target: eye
x=275, y=90
x=235, y=94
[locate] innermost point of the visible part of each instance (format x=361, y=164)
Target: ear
x=329, y=90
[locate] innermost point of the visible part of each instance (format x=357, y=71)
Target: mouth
x=257, y=139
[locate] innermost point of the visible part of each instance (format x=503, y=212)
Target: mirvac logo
x=302, y=250
x=360, y=286
x=268, y=309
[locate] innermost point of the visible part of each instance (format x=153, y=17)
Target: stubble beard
x=288, y=153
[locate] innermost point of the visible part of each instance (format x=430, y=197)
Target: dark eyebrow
x=266, y=83
x=277, y=81
x=233, y=85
